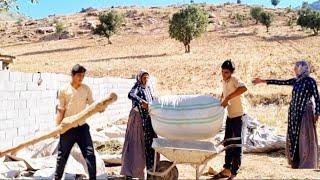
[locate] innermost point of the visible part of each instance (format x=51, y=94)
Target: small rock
x=44, y=30
x=66, y=35
x=86, y=10
x=92, y=14
x=211, y=15
x=152, y=20
x=90, y=24
x=30, y=23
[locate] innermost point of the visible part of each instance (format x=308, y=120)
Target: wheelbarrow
x=195, y=153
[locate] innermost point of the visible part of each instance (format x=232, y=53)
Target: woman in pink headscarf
x=137, y=152
x=302, y=143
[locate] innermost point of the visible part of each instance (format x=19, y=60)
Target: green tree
x=275, y=2
x=266, y=19
x=110, y=24
x=255, y=13
x=310, y=19
x=5, y=5
x=188, y=24
x=305, y=5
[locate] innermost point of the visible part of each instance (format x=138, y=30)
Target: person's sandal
x=231, y=177
x=221, y=175
x=210, y=172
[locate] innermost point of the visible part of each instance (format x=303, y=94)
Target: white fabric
x=257, y=137
x=42, y=157
x=186, y=117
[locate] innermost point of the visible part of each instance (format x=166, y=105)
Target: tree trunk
x=267, y=28
x=109, y=42
x=187, y=48
x=315, y=31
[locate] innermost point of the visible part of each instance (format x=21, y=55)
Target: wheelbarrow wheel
x=161, y=167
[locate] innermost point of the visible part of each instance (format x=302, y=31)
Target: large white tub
x=188, y=117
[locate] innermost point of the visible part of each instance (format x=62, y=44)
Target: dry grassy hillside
x=144, y=43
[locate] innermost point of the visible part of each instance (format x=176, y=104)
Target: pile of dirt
x=109, y=147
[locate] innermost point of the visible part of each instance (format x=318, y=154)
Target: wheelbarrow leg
x=155, y=162
x=197, y=172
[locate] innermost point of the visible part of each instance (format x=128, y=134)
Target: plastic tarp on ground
x=257, y=137
x=39, y=161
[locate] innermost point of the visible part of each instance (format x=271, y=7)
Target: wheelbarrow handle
x=229, y=139
x=230, y=146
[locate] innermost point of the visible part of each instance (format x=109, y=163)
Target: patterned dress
x=304, y=88
x=137, y=94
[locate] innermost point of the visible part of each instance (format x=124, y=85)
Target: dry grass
x=255, y=52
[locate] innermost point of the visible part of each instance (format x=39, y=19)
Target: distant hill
x=315, y=5
x=12, y=16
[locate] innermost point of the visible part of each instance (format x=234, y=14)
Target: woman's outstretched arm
x=288, y=82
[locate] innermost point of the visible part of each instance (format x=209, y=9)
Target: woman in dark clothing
x=302, y=143
x=137, y=151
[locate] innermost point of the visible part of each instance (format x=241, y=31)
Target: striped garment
x=304, y=88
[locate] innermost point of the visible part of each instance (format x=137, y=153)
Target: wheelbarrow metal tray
x=185, y=152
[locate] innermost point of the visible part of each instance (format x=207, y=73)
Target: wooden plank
x=66, y=124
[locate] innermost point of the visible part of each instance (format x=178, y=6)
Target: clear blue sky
x=62, y=7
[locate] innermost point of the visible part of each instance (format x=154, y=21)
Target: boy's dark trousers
x=233, y=155
x=82, y=137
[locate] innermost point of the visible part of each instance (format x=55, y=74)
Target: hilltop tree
x=5, y=5
x=238, y=1
x=109, y=24
x=275, y=2
x=188, y=24
x=266, y=19
x=310, y=19
x=255, y=13
x=305, y=5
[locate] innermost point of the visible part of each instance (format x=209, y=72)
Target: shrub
x=187, y=24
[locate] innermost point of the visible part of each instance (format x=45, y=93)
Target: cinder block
x=88, y=81
x=52, y=85
x=2, y=136
x=15, y=76
x=20, y=86
x=24, y=113
x=11, y=133
x=18, y=140
x=6, y=144
x=4, y=75
x=47, y=110
x=98, y=81
x=13, y=95
x=34, y=111
x=6, y=105
x=62, y=78
x=19, y=122
x=52, y=94
x=20, y=104
x=32, y=103
x=3, y=114
x=6, y=86
x=23, y=131
x=33, y=86
x=30, y=95
x=26, y=77
x=12, y=114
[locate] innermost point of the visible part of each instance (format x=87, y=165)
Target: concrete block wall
x=27, y=109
